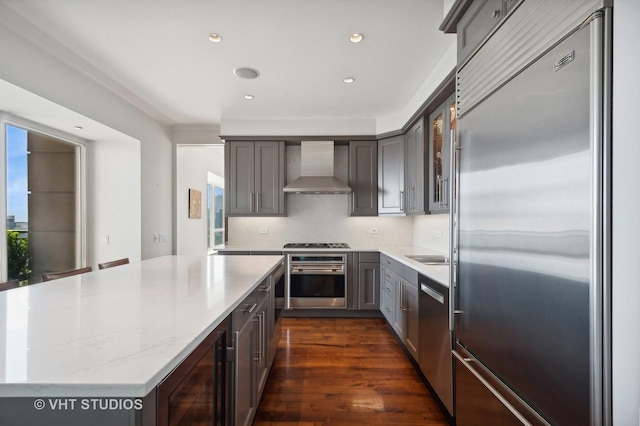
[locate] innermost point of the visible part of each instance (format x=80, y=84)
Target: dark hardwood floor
x=343, y=371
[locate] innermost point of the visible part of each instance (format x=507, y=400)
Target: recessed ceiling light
x=356, y=37
x=216, y=38
x=248, y=97
x=78, y=127
x=349, y=80
x=246, y=72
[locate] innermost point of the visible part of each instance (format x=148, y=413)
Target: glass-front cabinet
x=442, y=127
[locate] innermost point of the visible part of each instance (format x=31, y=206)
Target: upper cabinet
x=391, y=175
x=442, y=126
x=477, y=22
x=363, y=178
x=254, y=178
x=414, y=177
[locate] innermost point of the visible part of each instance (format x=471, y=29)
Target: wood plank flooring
x=343, y=371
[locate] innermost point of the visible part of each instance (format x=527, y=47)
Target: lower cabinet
x=197, y=391
x=253, y=325
x=366, y=280
x=399, y=302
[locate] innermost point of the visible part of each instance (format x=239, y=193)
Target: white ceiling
x=159, y=54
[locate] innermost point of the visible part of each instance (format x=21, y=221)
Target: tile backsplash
x=319, y=218
x=325, y=218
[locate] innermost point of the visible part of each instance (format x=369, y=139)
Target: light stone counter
x=439, y=273
x=119, y=331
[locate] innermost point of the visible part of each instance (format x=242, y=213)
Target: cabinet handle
x=251, y=202
x=265, y=288
x=401, y=201
x=495, y=14
x=443, y=194
x=257, y=202
x=251, y=309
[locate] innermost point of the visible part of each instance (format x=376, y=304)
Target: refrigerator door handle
x=467, y=363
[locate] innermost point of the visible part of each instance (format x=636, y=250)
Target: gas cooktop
x=317, y=245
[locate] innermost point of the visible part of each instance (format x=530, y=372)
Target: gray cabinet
x=414, y=169
x=363, y=178
x=411, y=317
x=253, y=324
x=367, y=279
x=399, y=302
x=476, y=23
x=442, y=122
x=254, y=178
x=391, y=175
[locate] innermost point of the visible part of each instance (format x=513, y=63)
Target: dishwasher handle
x=431, y=292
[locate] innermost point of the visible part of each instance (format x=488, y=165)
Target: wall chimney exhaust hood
x=316, y=171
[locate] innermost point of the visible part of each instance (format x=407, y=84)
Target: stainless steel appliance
x=316, y=279
x=533, y=251
x=435, y=339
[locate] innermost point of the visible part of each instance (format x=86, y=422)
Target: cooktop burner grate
x=317, y=245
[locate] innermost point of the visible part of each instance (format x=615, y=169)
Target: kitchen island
x=101, y=342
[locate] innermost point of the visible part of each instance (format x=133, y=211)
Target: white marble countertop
x=439, y=273
x=118, y=331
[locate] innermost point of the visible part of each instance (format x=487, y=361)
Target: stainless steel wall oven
x=317, y=280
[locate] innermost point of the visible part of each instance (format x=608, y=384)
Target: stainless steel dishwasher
x=436, y=360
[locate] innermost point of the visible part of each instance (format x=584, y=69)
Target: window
x=43, y=205
x=215, y=211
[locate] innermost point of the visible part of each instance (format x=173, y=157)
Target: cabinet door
x=261, y=354
x=363, y=177
x=391, y=195
x=414, y=169
x=411, y=333
x=269, y=178
x=441, y=123
x=368, y=286
x=245, y=374
x=399, y=307
x=239, y=177
x=476, y=24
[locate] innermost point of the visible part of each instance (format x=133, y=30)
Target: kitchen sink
x=429, y=259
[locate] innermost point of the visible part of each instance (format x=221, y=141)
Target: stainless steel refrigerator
x=531, y=240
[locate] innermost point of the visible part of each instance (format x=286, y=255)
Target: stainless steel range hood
x=316, y=171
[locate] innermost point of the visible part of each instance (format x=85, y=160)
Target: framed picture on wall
x=195, y=204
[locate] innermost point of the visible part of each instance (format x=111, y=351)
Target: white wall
x=26, y=65
x=113, y=200
x=192, y=165
x=626, y=205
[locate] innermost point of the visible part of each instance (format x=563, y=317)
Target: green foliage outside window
x=18, y=256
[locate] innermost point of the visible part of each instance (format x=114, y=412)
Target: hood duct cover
x=316, y=171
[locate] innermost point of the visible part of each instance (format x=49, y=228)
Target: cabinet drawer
x=386, y=307
x=390, y=263
x=263, y=290
x=369, y=257
x=245, y=310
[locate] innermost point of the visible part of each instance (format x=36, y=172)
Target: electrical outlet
x=373, y=230
x=156, y=238
x=263, y=230
x=106, y=239
x=439, y=235
x=164, y=238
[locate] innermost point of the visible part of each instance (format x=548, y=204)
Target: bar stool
x=55, y=275
x=113, y=263
x=9, y=285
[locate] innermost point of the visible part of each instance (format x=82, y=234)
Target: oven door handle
x=318, y=270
